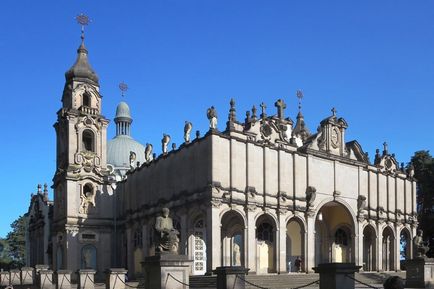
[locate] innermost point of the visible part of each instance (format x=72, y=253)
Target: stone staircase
x=284, y=281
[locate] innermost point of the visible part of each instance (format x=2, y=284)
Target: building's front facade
x=259, y=194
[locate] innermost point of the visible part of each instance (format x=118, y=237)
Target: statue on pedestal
x=420, y=247
x=166, y=236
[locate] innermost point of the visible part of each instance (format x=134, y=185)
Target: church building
x=260, y=194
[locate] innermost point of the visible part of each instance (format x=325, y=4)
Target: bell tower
x=79, y=183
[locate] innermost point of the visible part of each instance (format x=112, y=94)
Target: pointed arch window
x=88, y=140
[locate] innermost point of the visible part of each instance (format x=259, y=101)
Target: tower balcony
x=88, y=110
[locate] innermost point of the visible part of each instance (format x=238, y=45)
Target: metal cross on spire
x=300, y=97
x=123, y=87
x=83, y=20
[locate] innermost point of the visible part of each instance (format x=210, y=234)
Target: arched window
x=88, y=140
x=88, y=190
x=341, y=237
x=86, y=99
x=265, y=232
x=88, y=257
x=138, y=241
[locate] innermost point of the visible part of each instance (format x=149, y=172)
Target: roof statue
x=211, y=113
x=164, y=142
x=187, y=130
x=148, y=153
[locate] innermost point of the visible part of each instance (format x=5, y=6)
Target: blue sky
x=372, y=60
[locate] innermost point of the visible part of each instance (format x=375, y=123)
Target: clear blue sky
x=372, y=60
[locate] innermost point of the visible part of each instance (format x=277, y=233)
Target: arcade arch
x=265, y=244
x=233, y=239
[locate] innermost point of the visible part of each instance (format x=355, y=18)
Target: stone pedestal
x=115, y=278
x=40, y=267
x=336, y=275
x=27, y=276
x=15, y=277
x=162, y=270
x=227, y=277
x=5, y=278
x=46, y=279
x=420, y=273
x=63, y=279
x=86, y=279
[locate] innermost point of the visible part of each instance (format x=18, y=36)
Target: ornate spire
x=81, y=70
x=232, y=111
x=300, y=128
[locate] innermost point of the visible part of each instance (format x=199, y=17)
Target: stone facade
x=264, y=193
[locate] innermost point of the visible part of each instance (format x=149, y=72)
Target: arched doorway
x=388, y=249
x=369, y=249
x=404, y=246
x=232, y=225
x=334, y=234
x=294, y=243
x=265, y=245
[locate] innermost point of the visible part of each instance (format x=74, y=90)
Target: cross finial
x=83, y=20
x=385, y=148
x=300, y=97
x=123, y=87
x=280, y=104
x=334, y=111
x=263, y=107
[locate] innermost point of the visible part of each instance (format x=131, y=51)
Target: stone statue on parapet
x=211, y=113
x=420, y=246
x=164, y=142
x=166, y=240
x=148, y=153
x=187, y=130
x=132, y=160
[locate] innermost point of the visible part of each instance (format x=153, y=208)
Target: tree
x=423, y=164
x=16, y=242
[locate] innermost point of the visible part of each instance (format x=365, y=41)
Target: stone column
x=360, y=246
x=15, y=277
x=5, y=278
x=336, y=275
x=231, y=277
x=86, y=279
x=251, y=241
x=310, y=244
x=213, y=235
x=282, y=244
x=27, y=276
x=46, y=279
x=63, y=279
x=115, y=278
x=379, y=245
x=397, y=250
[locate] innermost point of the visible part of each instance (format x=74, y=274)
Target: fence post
x=227, y=277
x=27, y=276
x=15, y=278
x=63, y=279
x=5, y=278
x=336, y=275
x=46, y=279
x=38, y=268
x=115, y=278
x=86, y=279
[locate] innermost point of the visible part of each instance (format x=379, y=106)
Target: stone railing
x=43, y=278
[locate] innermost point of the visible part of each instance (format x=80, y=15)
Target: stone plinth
x=115, y=278
x=46, y=279
x=5, y=278
x=15, y=277
x=63, y=279
x=336, y=275
x=27, y=276
x=162, y=270
x=39, y=267
x=420, y=273
x=227, y=277
x=86, y=279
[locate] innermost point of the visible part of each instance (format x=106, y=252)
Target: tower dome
x=121, y=146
